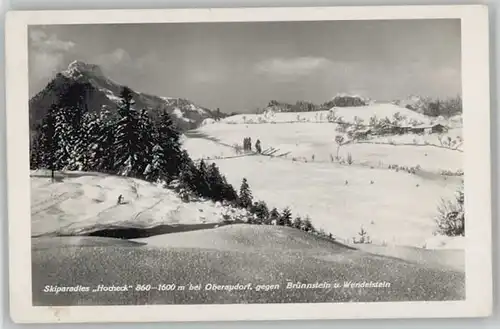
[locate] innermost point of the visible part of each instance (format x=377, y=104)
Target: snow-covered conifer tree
x=127, y=137
x=245, y=196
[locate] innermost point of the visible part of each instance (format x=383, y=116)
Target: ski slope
x=394, y=207
x=82, y=202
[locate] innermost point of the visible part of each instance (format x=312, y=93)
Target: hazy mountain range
x=83, y=83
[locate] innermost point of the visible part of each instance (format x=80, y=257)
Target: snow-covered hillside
x=412, y=101
x=348, y=114
x=82, y=202
x=374, y=192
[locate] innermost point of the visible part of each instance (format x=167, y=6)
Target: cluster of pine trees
x=130, y=143
x=127, y=143
x=263, y=216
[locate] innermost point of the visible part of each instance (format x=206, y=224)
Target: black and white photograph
x=247, y=162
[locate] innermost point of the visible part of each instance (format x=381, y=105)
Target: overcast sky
x=241, y=66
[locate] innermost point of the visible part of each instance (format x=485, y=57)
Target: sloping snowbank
x=79, y=202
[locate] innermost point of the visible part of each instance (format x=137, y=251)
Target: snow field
x=304, y=141
x=394, y=208
x=397, y=208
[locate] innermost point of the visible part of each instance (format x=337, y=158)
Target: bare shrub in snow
x=342, y=127
x=459, y=172
x=363, y=237
x=358, y=121
x=332, y=116
x=448, y=142
x=339, y=140
x=451, y=215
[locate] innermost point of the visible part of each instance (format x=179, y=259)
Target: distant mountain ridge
x=339, y=100
x=429, y=106
x=86, y=84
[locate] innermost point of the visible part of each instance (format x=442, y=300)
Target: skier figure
x=120, y=199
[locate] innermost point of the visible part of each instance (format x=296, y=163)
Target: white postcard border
x=477, y=168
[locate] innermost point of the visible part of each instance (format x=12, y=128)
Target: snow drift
x=82, y=202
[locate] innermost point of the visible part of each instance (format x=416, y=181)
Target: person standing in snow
x=120, y=199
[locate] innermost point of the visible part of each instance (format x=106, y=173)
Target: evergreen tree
x=168, y=137
x=307, y=225
x=187, y=174
x=35, y=152
x=297, y=223
x=274, y=215
x=245, y=196
x=46, y=143
x=71, y=135
x=229, y=193
x=85, y=144
x=202, y=186
x=146, y=141
x=155, y=170
x=261, y=212
x=286, y=218
x=59, y=138
x=127, y=146
x=66, y=138
x=103, y=151
x=216, y=183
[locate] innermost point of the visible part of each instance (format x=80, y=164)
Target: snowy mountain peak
x=78, y=68
x=99, y=91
